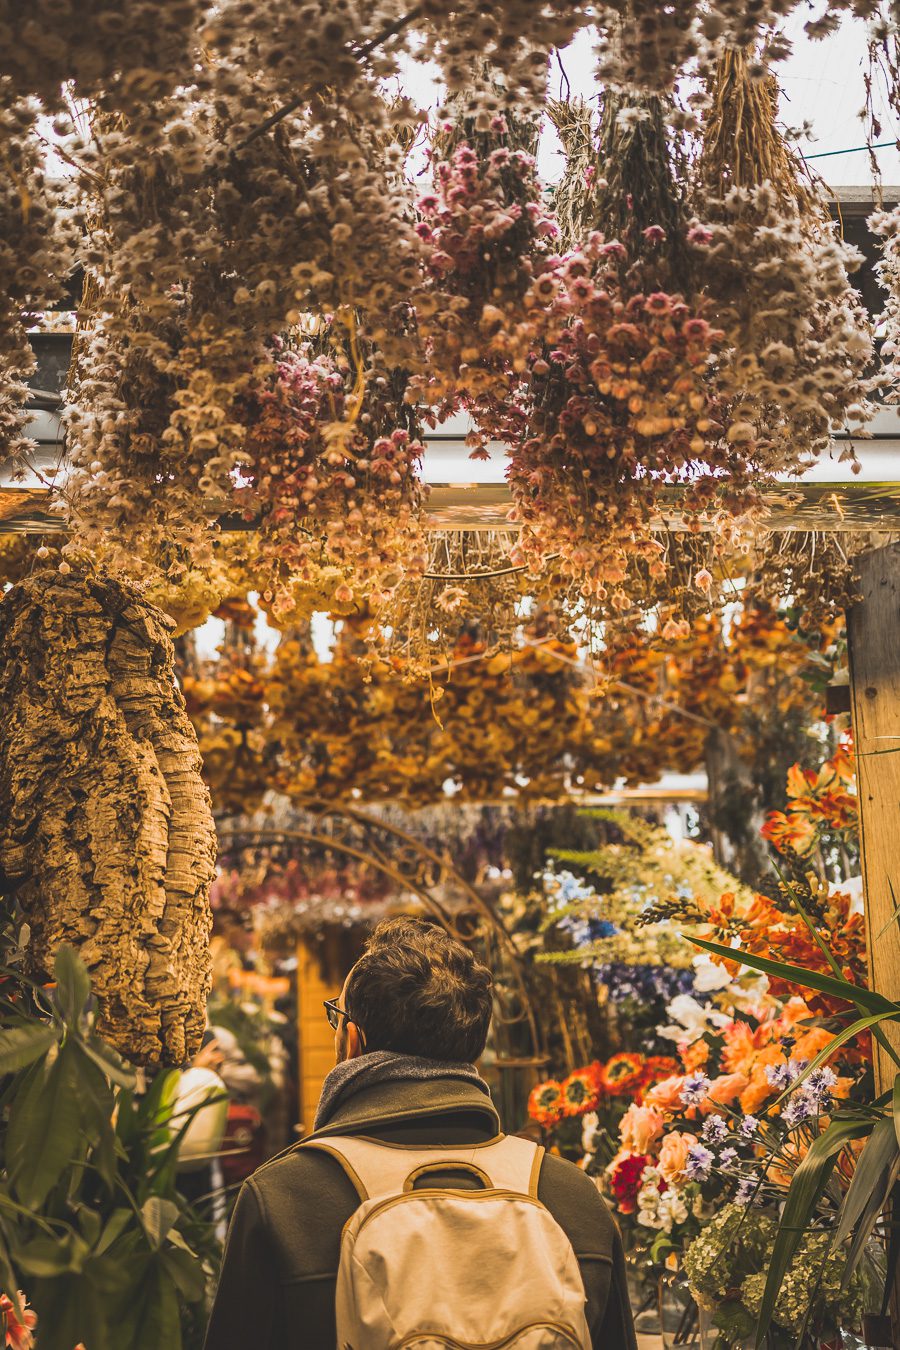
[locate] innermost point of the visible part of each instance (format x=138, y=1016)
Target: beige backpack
x=429, y=1267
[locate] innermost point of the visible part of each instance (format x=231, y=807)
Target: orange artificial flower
x=812, y=1042
x=581, y=1091
x=757, y=1093
x=741, y=1049
x=18, y=1334
x=545, y=1104
x=695, y=1056
x=658, y=1067
x=623, y=1074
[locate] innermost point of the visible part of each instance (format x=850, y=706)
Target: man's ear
x=355, y=1046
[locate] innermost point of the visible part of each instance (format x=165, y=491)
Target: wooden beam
x=874, y=638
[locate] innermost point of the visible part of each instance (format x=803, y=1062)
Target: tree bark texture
x=106, y=832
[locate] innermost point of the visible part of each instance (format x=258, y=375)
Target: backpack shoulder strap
x=378, y=1169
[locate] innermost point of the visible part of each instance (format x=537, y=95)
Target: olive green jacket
x=277, y=1287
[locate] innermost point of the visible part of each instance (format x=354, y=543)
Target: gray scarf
x=385, y=1066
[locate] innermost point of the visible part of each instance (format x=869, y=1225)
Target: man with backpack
x=407, y=1219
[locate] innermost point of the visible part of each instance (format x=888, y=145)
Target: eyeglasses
x=333, y=1013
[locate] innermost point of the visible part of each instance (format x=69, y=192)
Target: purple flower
x=748, y=1127
x=798, y=1109
x=699, y=1162
x=695, y=1089
x=715, y=1131
x=819, y=1084
x=727, y=1157
x=782, y=1075
x=745, y=1191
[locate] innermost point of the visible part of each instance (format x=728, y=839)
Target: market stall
x=389, y=525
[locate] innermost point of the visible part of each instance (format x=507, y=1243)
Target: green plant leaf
x=44, y=1133
x=51, y=1256
x=106, y=1058
x=159, y=1216
x=9, y=1284
x=854, y=1029
x=72, y=1311
x=21, y=1046
x=73, y=984
x=186, y=1272
x=807, y=1188
x=895, y=1106
x=873, y=1178
x=809, y=979
x=116, y=1225
x=148, y=1317
x=95, y=1094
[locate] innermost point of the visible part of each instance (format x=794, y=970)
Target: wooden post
x=873, y=629
x=874, y=638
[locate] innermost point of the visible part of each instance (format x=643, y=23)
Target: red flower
x=18, y=1334
x=545, y=1105
x=623, y=1074
x=625, y=1180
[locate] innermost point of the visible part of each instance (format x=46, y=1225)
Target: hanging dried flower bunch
x=106, y=834
x=620, y=403
x=469, y=585
x=486, y=232
x=798, y=343
x=125, y=52
x=514, y=39
x=575, y=194
x=37, y=234
x=886, y=225
x=645, y=45
x=193, y=282
x=331, y=473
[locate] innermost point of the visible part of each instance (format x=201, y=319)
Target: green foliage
x=640, y=882
x=92, y=1226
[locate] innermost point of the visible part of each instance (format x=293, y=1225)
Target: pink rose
x=666, y=1096
x=725, y=1090
x=640, y=1128
x=673, y=1156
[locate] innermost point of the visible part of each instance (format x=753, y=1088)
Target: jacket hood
x=389, y=1104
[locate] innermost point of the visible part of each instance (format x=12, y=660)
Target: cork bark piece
x=106, y=832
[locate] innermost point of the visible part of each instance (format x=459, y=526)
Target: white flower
x=709, y=975
x=672, y=1210
x=691, y=1020
x=589, y=1126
